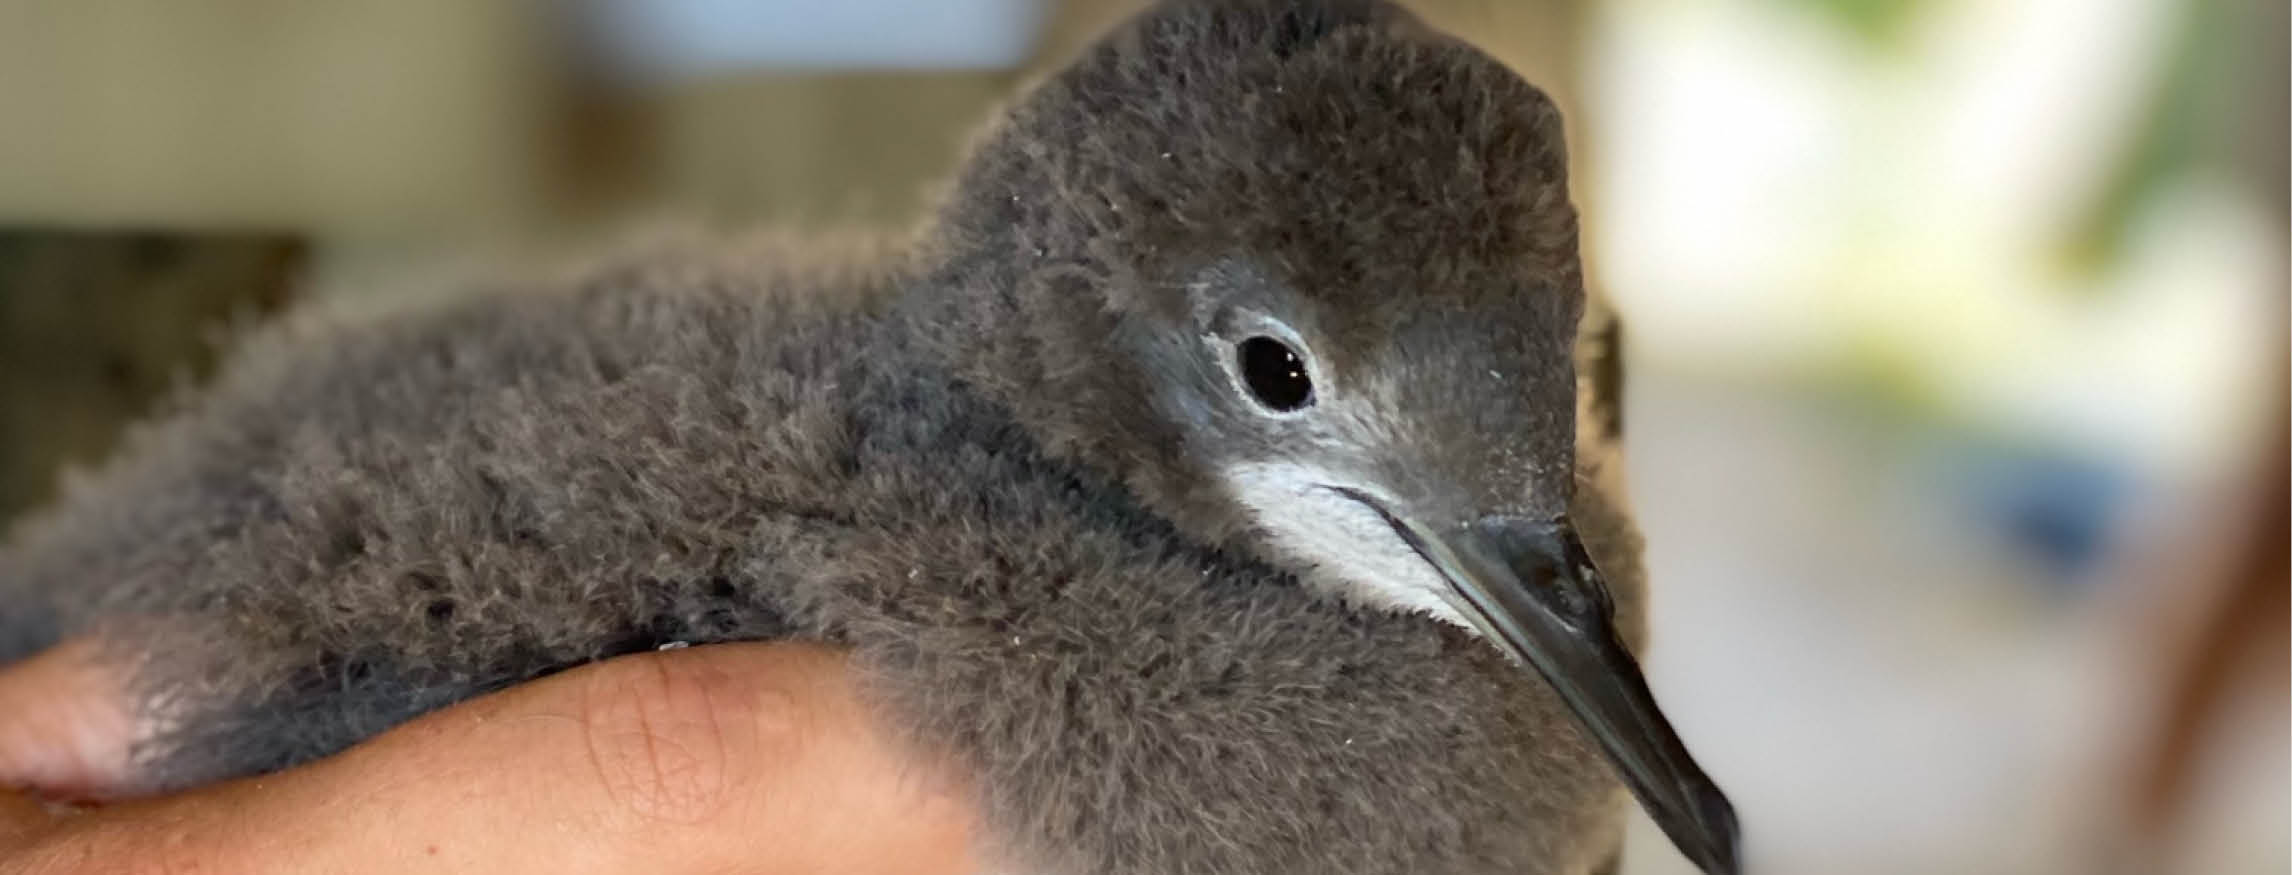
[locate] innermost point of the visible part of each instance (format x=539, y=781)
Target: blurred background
x=1956, y=328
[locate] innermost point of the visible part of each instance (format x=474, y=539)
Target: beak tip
x=1722, y=835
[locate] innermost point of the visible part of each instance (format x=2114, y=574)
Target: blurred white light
x=1779, y=200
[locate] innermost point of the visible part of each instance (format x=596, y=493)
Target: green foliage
x=1879, y=22
x=2189, y=113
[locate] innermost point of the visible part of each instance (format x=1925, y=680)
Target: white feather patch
x=1339, y=543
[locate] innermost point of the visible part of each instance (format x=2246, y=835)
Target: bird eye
x=1275, y=374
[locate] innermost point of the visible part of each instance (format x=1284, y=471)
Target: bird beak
x=1530, y=588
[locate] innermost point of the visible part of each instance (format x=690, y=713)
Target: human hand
x=756, y=758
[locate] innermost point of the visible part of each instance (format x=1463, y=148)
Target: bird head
x=1304, y=274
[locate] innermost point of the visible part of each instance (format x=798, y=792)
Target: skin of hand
x=749, y=758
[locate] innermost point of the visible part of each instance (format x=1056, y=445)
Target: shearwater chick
x=1202, y=481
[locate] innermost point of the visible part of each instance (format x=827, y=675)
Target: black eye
x=1275, y=374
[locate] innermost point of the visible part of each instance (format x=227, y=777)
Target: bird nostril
x=1547, y=554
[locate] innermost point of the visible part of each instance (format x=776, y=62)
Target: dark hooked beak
x=1530, y=588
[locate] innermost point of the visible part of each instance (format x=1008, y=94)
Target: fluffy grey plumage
x=1001, y=469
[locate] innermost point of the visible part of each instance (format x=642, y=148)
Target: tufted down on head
x=1397, y=195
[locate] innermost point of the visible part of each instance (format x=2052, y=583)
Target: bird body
x=1060, y=545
